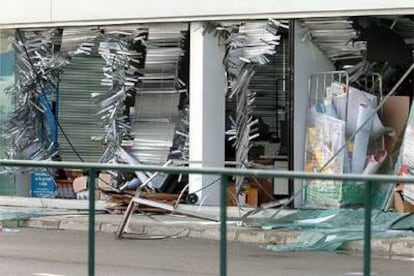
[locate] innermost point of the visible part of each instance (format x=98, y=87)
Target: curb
x=392, y=248
x=211, y=232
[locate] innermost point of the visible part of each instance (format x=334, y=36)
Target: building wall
x=308, y=60
x=80, y=12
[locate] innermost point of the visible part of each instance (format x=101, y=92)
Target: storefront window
x=6, y=101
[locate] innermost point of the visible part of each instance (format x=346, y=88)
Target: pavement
x=169, y=225
x=40, y=252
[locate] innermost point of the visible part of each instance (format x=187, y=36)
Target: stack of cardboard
x=397, y=114
x=400, y=204
x=394, y=115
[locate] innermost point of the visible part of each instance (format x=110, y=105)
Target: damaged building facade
x=301, y=86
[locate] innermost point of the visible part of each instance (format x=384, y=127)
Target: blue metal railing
x=370, y=180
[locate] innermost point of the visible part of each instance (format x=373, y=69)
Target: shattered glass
x=330, y=229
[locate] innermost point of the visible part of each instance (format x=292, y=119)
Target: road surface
x=56, y=253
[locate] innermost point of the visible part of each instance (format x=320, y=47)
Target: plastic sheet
x=355, y=98
x=324, y=136
x=360, y=149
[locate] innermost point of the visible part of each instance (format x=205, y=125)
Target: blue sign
x=43, y=184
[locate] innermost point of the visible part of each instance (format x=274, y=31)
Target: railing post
x=91, y=232
x=367, y=229
x=223, y=226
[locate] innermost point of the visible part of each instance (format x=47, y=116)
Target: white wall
x=81, y=12
x=308, y=60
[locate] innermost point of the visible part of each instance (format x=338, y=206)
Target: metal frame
x=378, y=108
x=320, y=81
x=317, y=84
x=224, y=172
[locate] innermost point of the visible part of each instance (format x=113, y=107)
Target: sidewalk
x=182, y=226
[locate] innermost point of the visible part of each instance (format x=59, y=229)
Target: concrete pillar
x=207, y=112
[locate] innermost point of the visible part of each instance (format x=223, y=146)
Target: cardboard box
x=395, y=114
x=80, y=184
x=104, y=182
x=80, y=187
x=231, y=195
x=249, y=196
x=99, y=195
x=264, y=189
x=72, y=174
x=400, y=205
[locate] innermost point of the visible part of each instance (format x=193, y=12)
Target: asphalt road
x=50, y=253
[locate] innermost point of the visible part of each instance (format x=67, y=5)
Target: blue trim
x=50, y=117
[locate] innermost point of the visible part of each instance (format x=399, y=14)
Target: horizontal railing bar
x=207, y=170
x=186, y=162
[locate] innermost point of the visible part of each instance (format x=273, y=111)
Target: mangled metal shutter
x=269, y=85
x=77, y=110
x=157, y=100
x=154, y=117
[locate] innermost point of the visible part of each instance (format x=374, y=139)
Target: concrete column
x=207, y=112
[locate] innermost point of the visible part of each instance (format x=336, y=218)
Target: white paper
x=361, y=140
x=355, y=98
